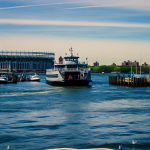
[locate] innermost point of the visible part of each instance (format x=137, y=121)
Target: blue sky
x=103, y=30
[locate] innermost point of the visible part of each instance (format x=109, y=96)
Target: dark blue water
x=37, y=116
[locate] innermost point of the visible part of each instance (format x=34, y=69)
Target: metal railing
x=79, y=62
x=69, y=69
x=139, y=76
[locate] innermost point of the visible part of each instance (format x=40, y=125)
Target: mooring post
x=117, y=79
x=128, y=80
x=120, y=80
x=133, y=78
x=144, y=81
x=131, y=81
x=140, y=81
x=123, y=80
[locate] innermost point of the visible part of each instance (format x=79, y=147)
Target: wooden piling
x=144, y=81
x=117, y=79
x=133, y=79
x=120, y=80
x=123, y=80
x=130, y=81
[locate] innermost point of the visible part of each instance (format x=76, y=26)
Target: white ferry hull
x=3, y=82
x=55, y=78
x=69, y=83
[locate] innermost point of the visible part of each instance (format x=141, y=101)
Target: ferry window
x=71, y=59
x=67, y=59
x=60, y=66
x=71, y=66
x=75, y=59
x=82, y=66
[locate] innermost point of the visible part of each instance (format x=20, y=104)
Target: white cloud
x=60, y=3
x=72, y=23
x=132, y=4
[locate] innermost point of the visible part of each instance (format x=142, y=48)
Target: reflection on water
x=35, y=115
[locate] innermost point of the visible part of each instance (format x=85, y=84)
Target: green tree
x=103, y=68
x=117, y=68
x=110, y=68
x=96, y=68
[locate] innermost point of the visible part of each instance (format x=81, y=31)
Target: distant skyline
x=105, y=31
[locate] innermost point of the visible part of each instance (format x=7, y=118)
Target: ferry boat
x=3, y=79
x=71, y=72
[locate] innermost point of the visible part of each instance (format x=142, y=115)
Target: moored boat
x=3, y=79
x=22, y=78
x=71, y=72
x=34, y=78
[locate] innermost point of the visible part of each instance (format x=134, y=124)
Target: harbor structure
x=20, y=61
x=131, y=81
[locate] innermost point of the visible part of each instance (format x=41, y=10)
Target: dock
x=130, y=81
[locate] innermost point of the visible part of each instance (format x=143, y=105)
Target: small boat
x=3, y=79
x=34, y=78
x=22, y=78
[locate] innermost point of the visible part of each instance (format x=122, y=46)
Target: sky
x=107, y=31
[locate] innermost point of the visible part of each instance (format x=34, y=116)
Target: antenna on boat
x=71, y=50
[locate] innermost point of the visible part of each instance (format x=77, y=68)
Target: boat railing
x=69, y=69
x=78, y=62
x=139, y=76
x=83, y=62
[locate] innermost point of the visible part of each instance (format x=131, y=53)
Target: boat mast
x=71, y=50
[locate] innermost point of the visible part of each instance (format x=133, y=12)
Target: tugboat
x=72, y=72
x=3, y=79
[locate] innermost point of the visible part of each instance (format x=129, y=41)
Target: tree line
x=122, y=68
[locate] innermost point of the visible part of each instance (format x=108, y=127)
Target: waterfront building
x=96, y=64
x=26, y=61
x=60, y=60
x=145, y=65
x=113, y=64
x=130, y=63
